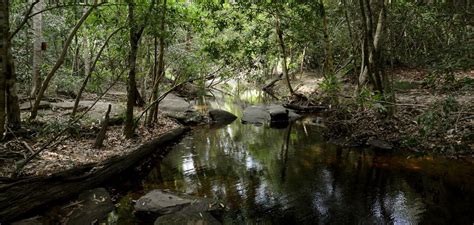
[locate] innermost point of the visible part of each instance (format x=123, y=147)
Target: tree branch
x=25, y=19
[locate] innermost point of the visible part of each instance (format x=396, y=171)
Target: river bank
x=434, y=117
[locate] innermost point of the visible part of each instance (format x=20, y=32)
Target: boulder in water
x=255, y=115
x=161, y=202
x=221, y=116
x=277, y=113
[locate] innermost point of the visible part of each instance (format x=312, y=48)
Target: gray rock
x=380, y=144
x=194, y=218
x=161, y=202
x=172, y=103
x=255, y=115
x=277, y=113
x=267, y=114
x=94, y=205
x=221, y=116
x=179, y=109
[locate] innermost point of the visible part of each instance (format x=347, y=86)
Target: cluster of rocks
x=181, y=110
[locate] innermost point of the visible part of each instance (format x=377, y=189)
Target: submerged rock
x=221, y=116
x=94, y=205
x=161, y=202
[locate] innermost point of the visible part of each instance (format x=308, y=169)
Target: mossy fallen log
x=22, y=195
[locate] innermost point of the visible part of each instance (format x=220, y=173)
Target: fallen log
x=306, y=109
x=19, y=196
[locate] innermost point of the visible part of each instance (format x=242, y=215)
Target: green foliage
x=429, y=35
x=368, y=99
x=331, y=87
x=438, y=118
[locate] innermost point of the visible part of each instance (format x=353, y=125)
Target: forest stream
x=264, y=175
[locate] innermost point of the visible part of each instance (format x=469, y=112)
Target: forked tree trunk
x=371, y=66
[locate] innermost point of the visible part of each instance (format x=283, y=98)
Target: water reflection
x=289, y=176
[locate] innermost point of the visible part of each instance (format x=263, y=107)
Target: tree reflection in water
x=290, y=176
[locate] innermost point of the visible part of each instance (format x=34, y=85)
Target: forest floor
x=433, y=113
x=75, y=147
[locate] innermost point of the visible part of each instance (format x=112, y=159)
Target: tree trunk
x=303, y=55
x=284, y=55
x=351, y=36
x=328, y=62
x=44, y=86
x=372, y=65
x=13, y=105
x=159, y=70
x=4, y=55
x=37, y=48
x=9, y=99
x=135, y=35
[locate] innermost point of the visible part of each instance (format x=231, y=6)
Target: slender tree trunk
x=37, y=47
x=44, y=86
x=303, y=55
x=153, y=115
x=328, y=63
x=76, y=60
x=351, y=36
x=283, y=52
x=135, y=35
x=154, y=91
x=86, y=53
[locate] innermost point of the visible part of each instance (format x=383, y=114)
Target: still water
x=291, y=176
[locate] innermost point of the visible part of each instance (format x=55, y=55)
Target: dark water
x=290, y=176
